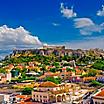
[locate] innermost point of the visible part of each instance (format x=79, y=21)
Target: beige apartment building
x=49, y=92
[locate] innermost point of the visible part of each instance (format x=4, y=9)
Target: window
x=44, y=96
x=97, y=102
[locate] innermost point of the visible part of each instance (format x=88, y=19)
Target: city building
x=3, y=78
x=53, y=47
x=98, y=98
x=100, y=78
x=87, y=79
x=8, y=76
x=49, y=92
x=75, y=78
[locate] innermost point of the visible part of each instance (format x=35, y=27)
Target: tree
x=92, y=72
x=2, y=70
x=55, y=80
x=95, y=83
x=46, y=63
x=69, y=69
x=56, y=64
x=66, y=64
x=23, y=73
x=53, y=70
x=43, y=68
x=98, y=65
x=15, y=72
x=27, y=91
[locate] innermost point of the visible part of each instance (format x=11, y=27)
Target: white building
x=9, y=76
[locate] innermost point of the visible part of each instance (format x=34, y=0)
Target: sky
x=31, y=23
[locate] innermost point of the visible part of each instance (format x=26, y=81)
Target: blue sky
x=74, y=23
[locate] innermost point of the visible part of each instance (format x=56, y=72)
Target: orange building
x=87, y=79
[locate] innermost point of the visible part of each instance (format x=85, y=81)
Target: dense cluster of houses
x=46, y=92
x=70, y=76
x=51, y=93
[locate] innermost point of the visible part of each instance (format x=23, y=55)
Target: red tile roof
x=48, y=84
x=101, y=94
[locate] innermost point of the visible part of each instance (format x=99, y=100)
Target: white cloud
x=83, y=22
x=55, y=24
x=86, y=26
x=101, y=12
x=18, y=36
x=67, y=12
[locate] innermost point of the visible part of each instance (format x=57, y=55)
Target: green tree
x=92, y=72
x=56, y=64
x=23, y=73
x=69, y=69
x=66, y=64
x=43, y=68
x=2, y=70
x=98, y=65
x=27, y=91
x=55, y=80
x=95, y=83
x=53, y=70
